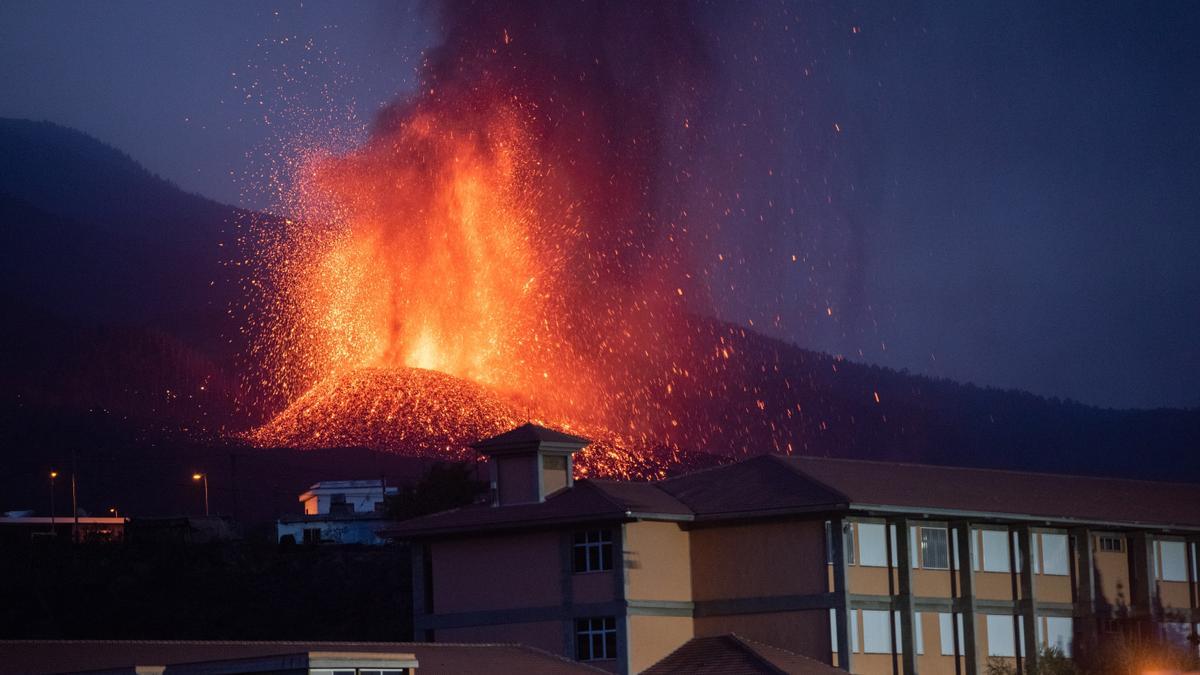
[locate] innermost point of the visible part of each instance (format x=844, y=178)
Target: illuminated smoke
x=518, y=227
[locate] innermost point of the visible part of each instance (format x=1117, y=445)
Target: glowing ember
x=507, y=229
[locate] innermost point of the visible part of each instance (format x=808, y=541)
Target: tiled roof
x=37, y=657
x=588, y=500
x=772, y=484
x=641, y=498
x=529, y=434
x=1018, y=493
x=754, y=485
x=734, y=655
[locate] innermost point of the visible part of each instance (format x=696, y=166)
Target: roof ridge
x=650, y=483
x=708, y=469
x=955, y=467
x=748, y=649
x=783, y=460
x=603, y=495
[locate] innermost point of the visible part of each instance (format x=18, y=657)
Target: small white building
x=338, y=512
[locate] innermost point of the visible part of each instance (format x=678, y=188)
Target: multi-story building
x=339, y=512
x=866, y=565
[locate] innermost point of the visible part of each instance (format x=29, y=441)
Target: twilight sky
x=1001, y=193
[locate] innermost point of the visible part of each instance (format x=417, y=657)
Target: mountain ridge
x=117, y=283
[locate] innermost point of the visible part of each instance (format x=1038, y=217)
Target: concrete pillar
x=966, y=596
x=841, y=591
x=1193, y=547
x=1027, y=605
x=904, y=596
x=1142, y=585
x=621, y=591
x=1083, y=585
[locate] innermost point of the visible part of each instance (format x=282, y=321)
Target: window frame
x=925, y=563
x=586, y=633
x=595, y=550
x=990, y=540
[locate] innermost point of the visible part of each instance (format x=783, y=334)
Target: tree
x=445, y=486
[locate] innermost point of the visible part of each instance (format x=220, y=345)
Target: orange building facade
x=864, y=565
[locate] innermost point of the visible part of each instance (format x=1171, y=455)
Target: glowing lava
x=507, y=229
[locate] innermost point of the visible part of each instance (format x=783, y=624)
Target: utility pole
x=233, y=482
x=74, y=501
x=203, y=477
x=53, y=475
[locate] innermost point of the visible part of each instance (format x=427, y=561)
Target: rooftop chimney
x=530, y=463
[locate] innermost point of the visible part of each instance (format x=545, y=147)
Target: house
x=870, y=566
x=20, y=525
x=339, y=512
x=183, y=657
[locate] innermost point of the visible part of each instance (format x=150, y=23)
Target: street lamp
x=53, y=475
x=203, y=478
x=115, y=512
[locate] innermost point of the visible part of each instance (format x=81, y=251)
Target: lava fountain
x=505, y=246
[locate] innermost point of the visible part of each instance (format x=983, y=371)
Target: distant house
x=20, y=525
x=875, y=567
x=338, y=512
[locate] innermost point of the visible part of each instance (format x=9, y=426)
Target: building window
x=995, y=551
x=596, y=639
x=872, y=545
x=878, y=632
x=852, y=620
x=935, y=548
x=593, y=551
x=1173, y=555
x=847, y=540
x=1003, y=638
x=1055, y=556
x=1111, y=544
x=1059, y=633
x=312, y=535
x=946, y=637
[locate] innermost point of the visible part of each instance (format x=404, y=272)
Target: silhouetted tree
x=445, y=486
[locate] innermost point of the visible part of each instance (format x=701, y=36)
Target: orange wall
x=1174, y=594
x=502, y=572
x=760, y=559
x=804, y=632
x=658, y=562
x=1113, y=570
x=653, y=637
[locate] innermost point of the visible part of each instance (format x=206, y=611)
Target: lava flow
x=502, y=248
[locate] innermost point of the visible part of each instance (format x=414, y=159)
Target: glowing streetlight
x=116, y=513
x=203, y=478
x=53, y=475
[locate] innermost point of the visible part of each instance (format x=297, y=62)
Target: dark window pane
x=610, y=645
x=606, y=557
x=934, y=548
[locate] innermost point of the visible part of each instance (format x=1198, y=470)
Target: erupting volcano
x=515, y=227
